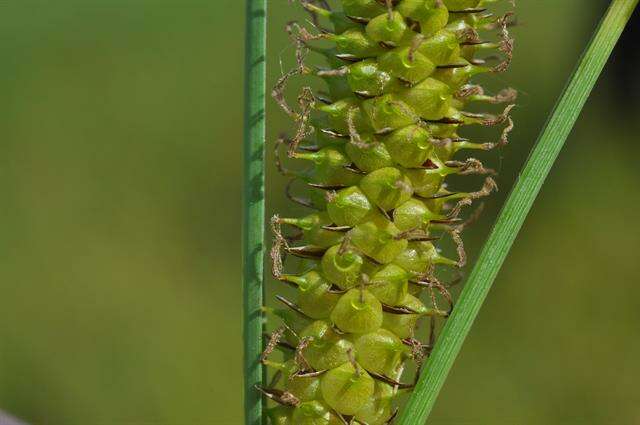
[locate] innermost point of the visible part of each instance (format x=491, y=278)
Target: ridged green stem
x=253, y=215
x=515, y=211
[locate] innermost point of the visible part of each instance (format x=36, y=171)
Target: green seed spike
x=379, y=145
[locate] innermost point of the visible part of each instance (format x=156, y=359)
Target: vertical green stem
x=515, y=211
x=253, y=223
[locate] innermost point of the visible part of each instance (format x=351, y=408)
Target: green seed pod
x=409, y=146
x=280, y=415
x=358, y=311
x=414, y=214
x=434, y=20
x=347, y=389
x=379, y=408
x=338, y=87
x=292, y=320
x=404, y=325
x=461, y=4
x=390, y=284
x=342, y=269
x=326, y=349
x=312, y=228
x=385, y=28
x=304, y=388
x=442, y=48
x=366, y=77
x=376, y=238
x=315, y=296
x=406, y=64
x=314, y=413
x=425, y=182
x=457, y=77
x=337, y=113
x=330, y=167
x=413, y=8
x=349, y=207
x=339, y=20
x=355, y=42
x=362, y=8
x=431, y=16
x=379, y=352
x=417, y=258
x=387, y=188
x=318, y=198
x=431, y=99
x=388, y=112
x=369, y=155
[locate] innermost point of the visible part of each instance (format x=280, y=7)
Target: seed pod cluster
x=379, y=143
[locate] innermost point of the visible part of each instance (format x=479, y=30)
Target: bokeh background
x=120, y=180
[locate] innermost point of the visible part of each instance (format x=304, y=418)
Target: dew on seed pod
x=349, y=207
x=409, y=146
x=379, y=408
x=389, y=28
x=379, y=352
x=358, y=311
x=377, y=239
x=389, y=284
x=388, y=112
x=369, y=154
x=326, y=349
x=347, y=389
x=387, y=187
x=342, y=268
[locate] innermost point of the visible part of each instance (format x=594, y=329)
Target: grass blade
x=515, y=211
x=253, y=204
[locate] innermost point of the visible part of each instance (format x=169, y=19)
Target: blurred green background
x=120, y=179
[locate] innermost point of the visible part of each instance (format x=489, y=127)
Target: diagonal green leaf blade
x=515, y=211
x=253, y=205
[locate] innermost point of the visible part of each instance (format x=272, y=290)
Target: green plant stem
x=515, y=211
x=253, y=212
